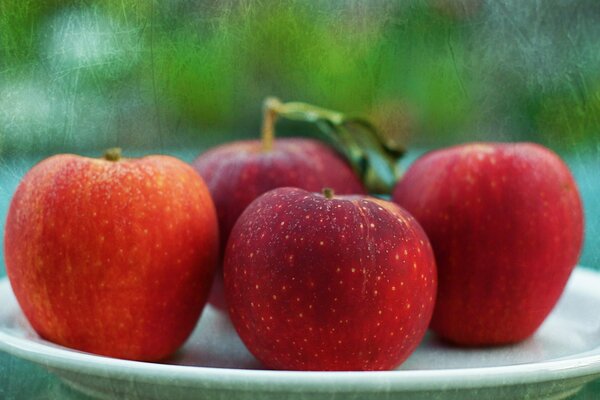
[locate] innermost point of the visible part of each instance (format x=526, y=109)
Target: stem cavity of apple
x=328, y=193
x=271, y=109
x=112, y=154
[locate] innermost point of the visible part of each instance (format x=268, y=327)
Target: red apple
x=239, y=172
x=505, y=222
x=316, y=282
x=112, y=256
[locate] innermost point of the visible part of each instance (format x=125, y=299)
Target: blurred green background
x=77, y=74
x=179, y=76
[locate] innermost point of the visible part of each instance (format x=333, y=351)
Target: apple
x=324, y=282
x=112, y=256
x=238, y=172
x=505, y=222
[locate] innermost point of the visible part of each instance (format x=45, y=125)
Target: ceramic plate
x=555, y=363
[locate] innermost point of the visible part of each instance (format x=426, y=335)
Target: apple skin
x=112, y=257
x=237, y=173
x=506, y=225
x=313, y=283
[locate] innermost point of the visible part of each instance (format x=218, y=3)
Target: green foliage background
x=83, y=74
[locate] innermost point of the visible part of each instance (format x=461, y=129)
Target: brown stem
x=271, y=108
x=112, y=154
x=328, y=193
x=370, y=153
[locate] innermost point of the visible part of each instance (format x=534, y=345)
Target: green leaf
x=372, y=155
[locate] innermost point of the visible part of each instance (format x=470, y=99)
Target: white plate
x=555, y=363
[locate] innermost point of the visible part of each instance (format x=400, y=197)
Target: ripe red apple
x=316, y=282
x=112, y=256
x=237, y=173
x=505, y=222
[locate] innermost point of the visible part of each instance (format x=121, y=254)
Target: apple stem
x=328, y=193
x=373, y=155
x=271, y=107
x=112, y=154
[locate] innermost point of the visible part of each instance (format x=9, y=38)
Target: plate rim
x=59, y=358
